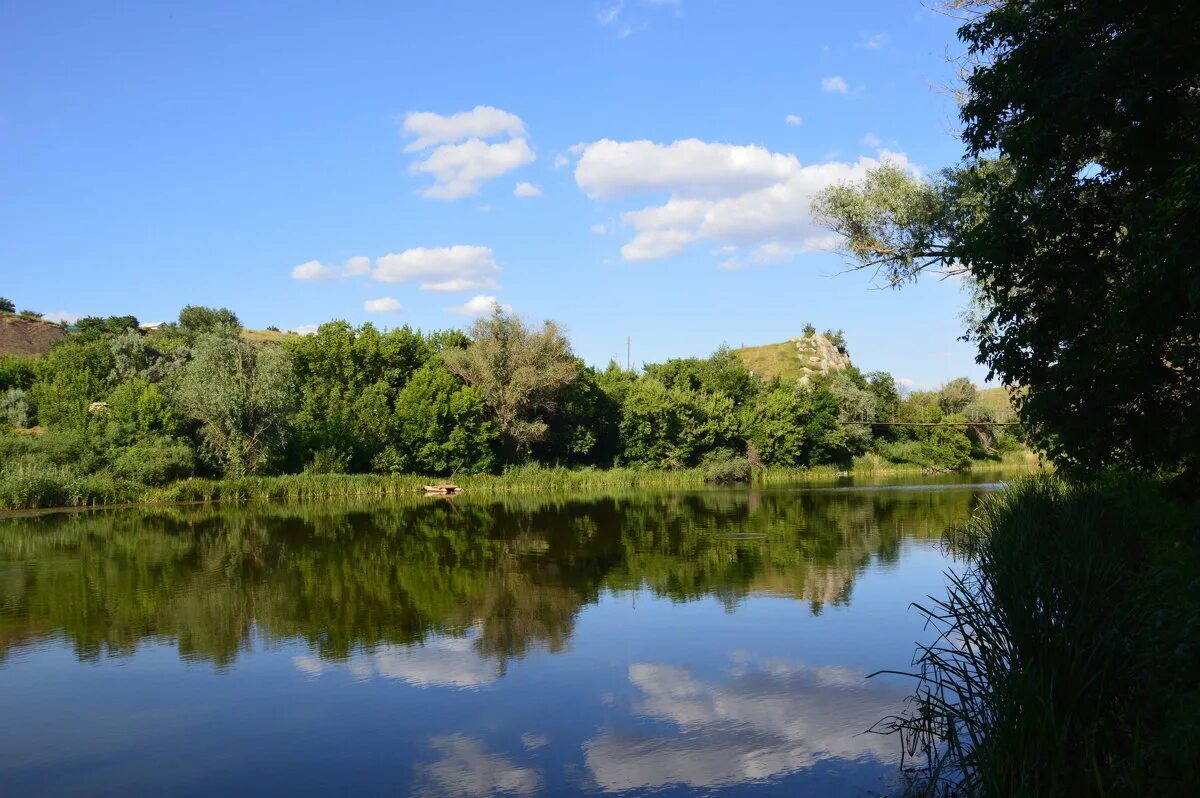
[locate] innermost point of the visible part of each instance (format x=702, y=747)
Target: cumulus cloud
x=457, y=153
x=732, y=195
x=871, y=140
x=456, y=268
x=834, y=83
x=305, y=329
x=316, y=270
x=524, y=189
x=481, y=122
x=795, y=120
x=313, y=270
x=771, y=718
x=385, y=304
x=480, y=305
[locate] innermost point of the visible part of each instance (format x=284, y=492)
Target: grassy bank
x=1069, y=648
x=24, y=488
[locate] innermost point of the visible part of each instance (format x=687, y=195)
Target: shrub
x=725, y=467
x=156, y=460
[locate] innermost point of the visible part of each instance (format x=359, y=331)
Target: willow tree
x=518, y=372
x=1074, y=212
x=242, y=397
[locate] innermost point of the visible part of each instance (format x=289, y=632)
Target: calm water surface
x=708, y=642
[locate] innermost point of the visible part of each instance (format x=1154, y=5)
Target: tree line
x=199, y=397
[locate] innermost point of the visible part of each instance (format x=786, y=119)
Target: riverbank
x=1080, y=615
x=47, y=489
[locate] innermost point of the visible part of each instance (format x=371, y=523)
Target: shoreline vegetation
x=39, y=491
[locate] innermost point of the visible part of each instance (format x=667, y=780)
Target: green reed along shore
x=1069, y=649
x=43, y=488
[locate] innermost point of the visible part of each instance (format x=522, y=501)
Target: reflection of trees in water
x=355, y=577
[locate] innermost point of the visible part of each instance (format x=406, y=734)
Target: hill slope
x=22, y=336
x=797, y=358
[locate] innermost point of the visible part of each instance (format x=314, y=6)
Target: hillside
x=797, y=358
x=23, y=336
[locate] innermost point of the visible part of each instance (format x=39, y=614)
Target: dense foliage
x=1074, y=214
x=114, y=404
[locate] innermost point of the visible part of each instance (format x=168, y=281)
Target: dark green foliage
x=7, y=305
x=585, y=429
x=31, y=314
x=17, y=372
x=665, y=427
x=1075, y=214
x=196, y=320
x=154, y=460
x=723, y=373
x=141, y=410
x=441, y=427
x=91, y=328
x=794, y=426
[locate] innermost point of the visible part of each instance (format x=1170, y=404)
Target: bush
x=725, y=467
x=154, y=461
x=14, y=409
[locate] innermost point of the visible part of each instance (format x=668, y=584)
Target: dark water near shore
x=666, y=642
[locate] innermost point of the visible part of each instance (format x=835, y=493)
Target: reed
x=1064, y=648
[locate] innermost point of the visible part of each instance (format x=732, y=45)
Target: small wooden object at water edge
x=444, y=489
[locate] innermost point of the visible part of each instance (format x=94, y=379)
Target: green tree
x=674, y=427
x=1074, y=213
x=585, y=430
x=956, y=394
x=348, y=379
x=723, y=373
x=442, y=427
x=241, y=397
x=197, y=320
x=92, y=328
x=519, y=373
x=7, y=305
x=794, y=426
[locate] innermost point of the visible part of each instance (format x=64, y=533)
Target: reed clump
x=1068, y=648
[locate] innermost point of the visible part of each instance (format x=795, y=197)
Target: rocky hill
x=23, y=336
x=796, y=358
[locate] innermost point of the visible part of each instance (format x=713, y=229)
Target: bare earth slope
x=22, y=336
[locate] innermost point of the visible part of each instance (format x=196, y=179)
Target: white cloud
x=835, y=84
x=609, y=169
x=599, y=229
x=480, y=305
x=481, y=122
x=305, y=329
x=458, y=169
x=730, y=195
x=456, y=268
x=561, y=160
x=795, y=120
x=315, y=270
x=524, y=189
x=873, y=42
x=62, y=315
x=871, y=140
x=385, y=304
x=609, y=14
x=461, y=159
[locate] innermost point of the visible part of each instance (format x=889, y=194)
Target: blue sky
x=159, y=154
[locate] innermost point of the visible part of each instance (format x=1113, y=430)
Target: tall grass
x=1063, y=647
x=34, y=485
